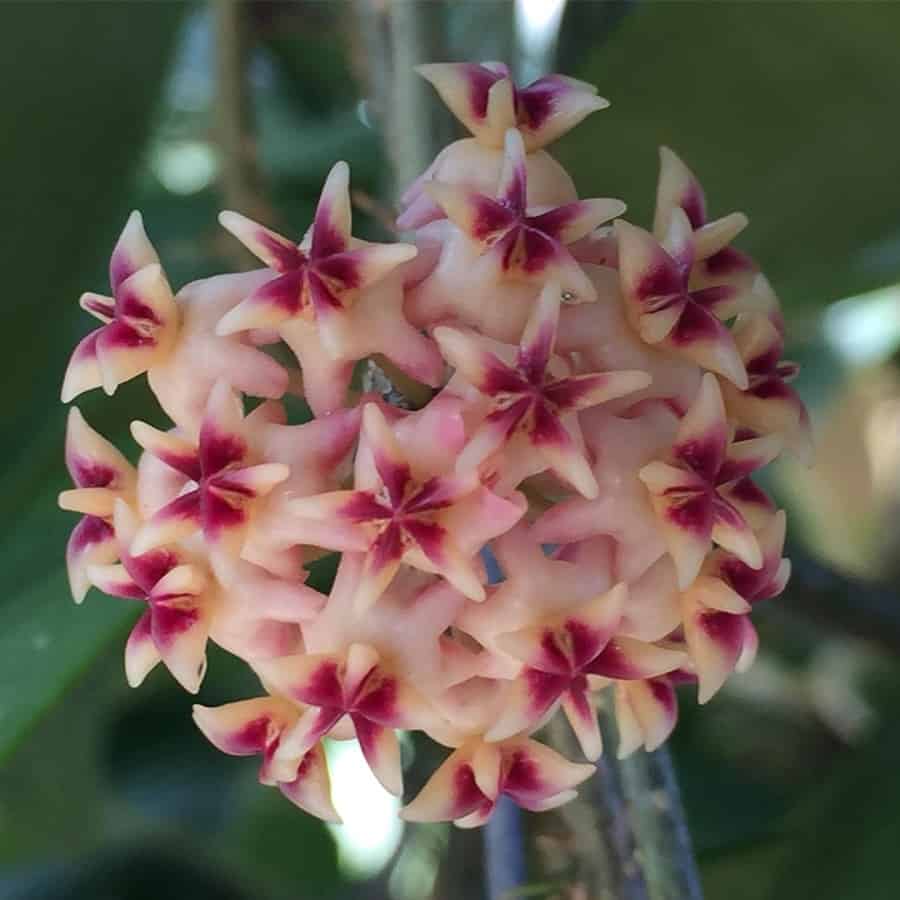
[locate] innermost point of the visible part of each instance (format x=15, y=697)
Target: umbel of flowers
x=601, y=397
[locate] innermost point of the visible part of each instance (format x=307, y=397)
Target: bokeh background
x=788, y=111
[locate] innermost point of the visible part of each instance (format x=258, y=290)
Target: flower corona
x=568, y=519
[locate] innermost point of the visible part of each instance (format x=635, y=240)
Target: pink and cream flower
x=256, y=727
x=102, y=476
x=333, y=299
x=600, y=454
x=220, y=482
x=528, y=402
x=691, y=491
x=181, y=600
x=140, y=320
x=399, y=513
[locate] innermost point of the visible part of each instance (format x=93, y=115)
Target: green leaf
x=786, y=111
x=81, y=83
x=45, y=643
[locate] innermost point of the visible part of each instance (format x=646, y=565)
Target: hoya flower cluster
x=600, y=397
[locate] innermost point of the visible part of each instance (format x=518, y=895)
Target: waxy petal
x=175, y=521
x=146, y=320
x=392, y=467
x=332, y=222
x=702, y=436
x=92, y=461
x=539, y=337
x=450, y=794
x=252, y=481
x=562, y=454
x=482, y=218
x=646, y=712
x=480, y=367
x=141, y=655
x=679, y=188
x=275, y=251
x=731, y=530
x=381, y=750
x=175, y=451
x=646, y=273
x=132, y=252
x=715, y=641
x=92, y=542
x=626, y=659
x=311, y=788
x=584, y=391
x=244, y=728
x=538, y=778
x=436, y=551
x=574, y=221
x=553, y=105
x=83, y=372
x=580, y=709
x=480, y=96
x=268, y=306
x=116, y=581
x=685, y=513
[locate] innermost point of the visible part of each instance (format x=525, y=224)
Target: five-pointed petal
x=140, y=320
x=256, y=727
x=399, y=518
x=560, y=652
x=180, y=606
x=521, y=246
x=353, y=683
x=527, y=400
x=665, y=310
x=678, y=188
x=221, y=484
x=466, y=787
x=687, y=492
x=769, y=405
x=333, y=299
x=484, y=98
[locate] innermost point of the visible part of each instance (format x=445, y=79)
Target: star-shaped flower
x=719, y=635
x=559, y=654
x=665, y=310
x=221, y=482
x=466, y=787
x=140, y=320
x=601, y=336
x=528, y=401
x=101, y=475
x=333, y=299
x=622, y=510
x=520, y=246
x=356, y=684
x=180, y=605
x=691, y=493
x=485, y=99
x=256, y=727
x=397, y=515
x=679, y=188
x=411, y=626
x=769, y=404
x=183, y=379
x=770, y=579
x=548, y=627
x=319, y=456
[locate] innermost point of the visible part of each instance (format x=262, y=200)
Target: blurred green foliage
x=784, y=110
